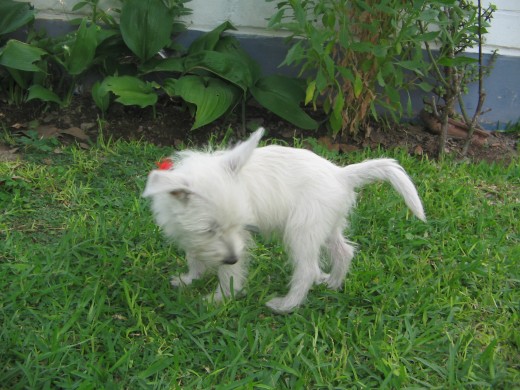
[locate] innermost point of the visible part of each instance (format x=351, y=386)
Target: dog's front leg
x=306, y=274
x=294, y=298
x=196, y=269
x=231, y=281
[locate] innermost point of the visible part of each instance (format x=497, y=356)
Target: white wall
x=250, y=16
x=504, y=33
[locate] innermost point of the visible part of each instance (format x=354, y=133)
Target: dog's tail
x=388, y=170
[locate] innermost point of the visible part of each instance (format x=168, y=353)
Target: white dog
x=209, y=203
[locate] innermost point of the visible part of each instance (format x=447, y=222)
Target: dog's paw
x=181, y=280
x=323, y=278
x=281, y=305
x=334, y=283
x=215, y=297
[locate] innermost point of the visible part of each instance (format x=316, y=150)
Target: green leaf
x=231, y=46
x=82, y=50
x=14, y=15
x=21, y=56
x=321, y=81
x=209, y=40
x=362, y=47
x=158, y=366
x=426, y=87
x=104, y=34
x=20, y=77
x=414, y=66
x=174, y=64
x=428, y=36
x=100, y=96
x=392, y=94
x=457, y=61
x=79, y=5
x=346, y=73
x=213, y=97
x=276, y=19
x=168, y=85
x=44, y=94
x=309, y=93
x=282, y=95
x=358, y=86
x=339, y=103
x=295, y=54
x=336, y=116
x=429, y=15
x=131, y=90
x=329, y=67
x=227, y=66
x=409, y=107
x=380, y=79
x=335, y=122
x=146, y=26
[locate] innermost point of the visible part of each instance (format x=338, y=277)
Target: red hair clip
x=164, y=164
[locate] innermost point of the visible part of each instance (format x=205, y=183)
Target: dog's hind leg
x=196, y=269
x=341, y=254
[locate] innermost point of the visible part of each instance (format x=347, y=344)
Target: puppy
x=209, y=202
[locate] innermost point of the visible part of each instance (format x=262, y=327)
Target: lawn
x=85, y=300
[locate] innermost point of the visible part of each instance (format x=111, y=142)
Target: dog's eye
x=251, y=228
x=211, y=230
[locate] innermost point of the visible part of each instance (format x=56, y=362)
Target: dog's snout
x=230, y=260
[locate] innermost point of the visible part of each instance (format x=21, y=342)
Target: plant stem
x=481, y=93
x=244, y=116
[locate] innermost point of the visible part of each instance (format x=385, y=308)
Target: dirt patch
x=170, y=123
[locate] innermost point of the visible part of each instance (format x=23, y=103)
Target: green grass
x=85, y=300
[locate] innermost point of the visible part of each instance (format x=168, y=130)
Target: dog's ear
x=166, y=181
x=237, y=157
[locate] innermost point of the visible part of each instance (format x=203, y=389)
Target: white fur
x=208, y=200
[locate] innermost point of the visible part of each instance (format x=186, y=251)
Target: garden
x=85, y=298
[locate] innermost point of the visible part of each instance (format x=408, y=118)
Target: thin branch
x=481, y=93
x=438, y=72
x=434, y=108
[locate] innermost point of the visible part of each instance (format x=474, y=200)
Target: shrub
x=461, y=25
x=356, y=54
x=212, y=77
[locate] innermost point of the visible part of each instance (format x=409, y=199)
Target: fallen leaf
x=178, y=143
x=50, y=117
x=368, y=131
x=346, y=148
x=8, y=154
x=66, y=119
x=328, y=143
x=76, y=132
x=18, y=126
x=87, y=126
x=288, y=133
x=47, y=131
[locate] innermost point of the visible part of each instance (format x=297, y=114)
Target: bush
x=212, y=77
x=359, y=55
x=356, y=54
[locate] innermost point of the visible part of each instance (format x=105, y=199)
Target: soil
x=170, y=125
